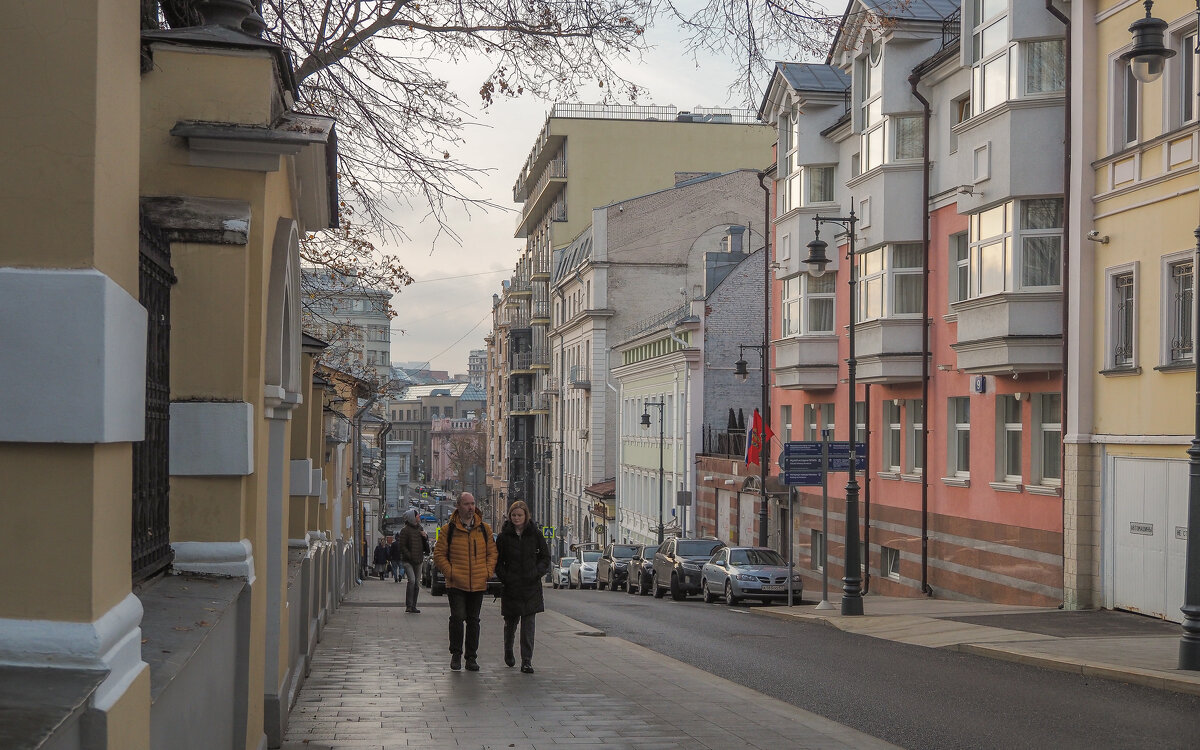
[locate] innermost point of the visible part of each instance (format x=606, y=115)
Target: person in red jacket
x=466, y=556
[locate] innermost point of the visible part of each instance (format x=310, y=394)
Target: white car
x=583, y=570
x=560, y=572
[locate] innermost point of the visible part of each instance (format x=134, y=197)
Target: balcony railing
x=580, y=378
x=541, y=310
x=550, y=385
x=541, y=357
x=655, y=321
x=556, y=169
x=520, y=403
x=522, y=360
x=541, y=263
x=723, y=442
x=518, y=285
x=337, y=430
x=517, y=318
x=951, y=28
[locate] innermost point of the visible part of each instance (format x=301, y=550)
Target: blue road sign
x=800, y=463
x=802, y=448
x=804, y=478
x=842, y=463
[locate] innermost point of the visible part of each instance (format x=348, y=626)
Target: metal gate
x=151, y=471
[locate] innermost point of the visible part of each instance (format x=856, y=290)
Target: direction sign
x=800, y=463
x=802, y=448
x=803, y=478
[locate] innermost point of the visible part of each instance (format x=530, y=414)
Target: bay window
x=910, y=131
x=808, y=305
x=1016, y=245
x=890, y=282
x=1045, y=66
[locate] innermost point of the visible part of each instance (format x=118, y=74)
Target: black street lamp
x=645, y=426
x=1146, y=60
x=741, y=371
x=852, y=603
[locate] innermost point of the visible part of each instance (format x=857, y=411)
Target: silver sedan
x=737, y=573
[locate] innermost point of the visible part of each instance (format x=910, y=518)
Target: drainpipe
x=562, y=394
x=383, y=484
x=356, y=501
x=682, y=406
x=925, y=353
x=866, y=578
x=765, y=450
x=1066, y=271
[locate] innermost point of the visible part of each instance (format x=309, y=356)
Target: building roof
x=573, y=255
x=602, y=490
x=913, y=10
x=473, y=393
x=326, y=280
x=814, y=77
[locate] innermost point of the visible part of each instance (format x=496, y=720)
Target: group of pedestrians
x=467, y=554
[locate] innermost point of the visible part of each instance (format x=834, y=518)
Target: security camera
x=1095, y=236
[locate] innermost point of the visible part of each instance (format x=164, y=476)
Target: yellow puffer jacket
x=469, y=558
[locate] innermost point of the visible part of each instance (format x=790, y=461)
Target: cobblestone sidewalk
x=381, y=679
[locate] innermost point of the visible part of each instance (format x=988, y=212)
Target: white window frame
x=785, y=418
x=960, y=261
x=795, y=316
x=1000, y=58
x=913, y=422
x=956, y=428
x=826, y=414
x=869, y=98
x=1183, y=40
x=1171, y=315
x=1120, y=83
x=1111, y=319
x=893, y=437
x=886, y=275
x=1003, y=430
x=889, y=562
x=860, y=421
x=807, y=172
x=817, y=542
x=1045, y=422
x=1024, y=49
x=812, y=430
x=894, y=128
x=1012, y=240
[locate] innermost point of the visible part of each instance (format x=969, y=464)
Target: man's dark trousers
x=464, y=614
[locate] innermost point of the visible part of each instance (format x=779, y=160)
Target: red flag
x=760, y=436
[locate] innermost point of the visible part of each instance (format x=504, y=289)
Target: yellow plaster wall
x=208, y=322
x=1147, y=451
x=623, y=159
x=69, y=511
x=207, y=509
x=127, y=723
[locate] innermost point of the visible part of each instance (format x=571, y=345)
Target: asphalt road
x=911, y=696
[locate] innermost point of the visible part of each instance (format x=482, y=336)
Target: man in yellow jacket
x=466, y=556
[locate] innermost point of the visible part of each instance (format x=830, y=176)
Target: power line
x=461, y=276
x=426, y=363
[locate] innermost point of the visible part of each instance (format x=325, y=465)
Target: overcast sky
x=433, y=315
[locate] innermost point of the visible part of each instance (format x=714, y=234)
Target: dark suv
x=613, y=566
x=678, y=563
x=641, y=569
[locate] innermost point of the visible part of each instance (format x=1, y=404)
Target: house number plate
x=1145, y=529
x=1181, y=532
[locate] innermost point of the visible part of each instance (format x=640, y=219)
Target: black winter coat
x=522, y=563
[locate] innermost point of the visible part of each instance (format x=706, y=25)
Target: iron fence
x=730, y=442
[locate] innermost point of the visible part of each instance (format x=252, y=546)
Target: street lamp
x=740, y=370
x=645, y=426
x=1146, y=58
x=852, y=603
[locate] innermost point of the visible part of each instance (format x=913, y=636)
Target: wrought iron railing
x=723, y=442
x=151, y=542
x=580, y=377
x=521, y=402
x=654, y=321
x=541, y=309
x=951, y=28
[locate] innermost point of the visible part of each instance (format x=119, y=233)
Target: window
x=892, y=436
x=1180, y=312
x=1047, y=439
x=915, y=413
x=910, y=130
x=870, y=119
x=860, y=421
x=1186, y=90
x=818, y=551
x=825, y=411
x=889, y=562
x=785, y=418
x=818, y=185
x=960, y=263
x=811, y=428
x=1008, y=443
x=1123, y=310
x=1045, y=66
x=959, y=444
x=808, y=304
x=999, y=263
x=1126, y=128
x=891, y=288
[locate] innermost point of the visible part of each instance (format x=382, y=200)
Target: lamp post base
x=824, y=605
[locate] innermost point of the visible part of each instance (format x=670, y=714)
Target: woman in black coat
x=523, y=560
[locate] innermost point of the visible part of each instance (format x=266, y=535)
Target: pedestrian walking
x=521, y=563
x=396, y=563
x=466, y=556
x=381, y=559
x=408, y=551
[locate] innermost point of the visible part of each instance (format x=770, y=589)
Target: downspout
x=925, y=353
x=765, y=449
x=356, y=501
x=682, y=406
x=620, y=443
x=1066, y=270
x=866, y=585
x=562, y=458
x=383, y=465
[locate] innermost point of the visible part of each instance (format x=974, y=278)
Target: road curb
x=1145, y=677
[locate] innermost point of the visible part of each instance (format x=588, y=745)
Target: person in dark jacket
x=381, y=559
x=522, y=561
x=409, y=550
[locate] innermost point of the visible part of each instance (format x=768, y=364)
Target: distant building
x=352, y=318
x=477, y=368
x=413, y=411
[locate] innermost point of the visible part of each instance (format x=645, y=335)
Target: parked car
x=583, y=570
x=738, y=573
x=678, y=564
x=612, y=568
x=641, y=569
x=560, y=571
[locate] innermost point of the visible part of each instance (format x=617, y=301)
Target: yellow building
x=172, y=554
x=1131, y=371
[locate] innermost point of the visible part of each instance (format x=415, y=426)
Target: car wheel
x=708, y=595
x=730, y=599
x=658, y=592
x=677, y=592
x=767, y=602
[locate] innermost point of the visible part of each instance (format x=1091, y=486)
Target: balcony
x=337, y=430
x=807, y=363
x=580, y=379
x=522, y=363
x=540, y=405
x=518, y=287
x=517, y=319
x=1009, y=333
x=520, y=404
x=541, y=313
x=888, y=350
x=541, y=359
x=543, y=196
x=550, y=385
x=541, y=266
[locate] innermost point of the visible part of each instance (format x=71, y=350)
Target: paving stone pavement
x=381, y=679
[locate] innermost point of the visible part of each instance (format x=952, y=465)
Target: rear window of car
x=566, y=562
x=697, y=547
x=591, y=556
x=624, y=550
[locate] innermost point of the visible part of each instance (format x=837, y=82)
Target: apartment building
x=571, y=169
x=945, y=140
x=352, y=319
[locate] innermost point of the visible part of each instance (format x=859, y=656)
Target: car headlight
x=746, y=577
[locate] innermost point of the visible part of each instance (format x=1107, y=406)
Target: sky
x=447, y=312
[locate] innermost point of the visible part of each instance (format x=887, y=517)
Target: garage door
x=1148, y=501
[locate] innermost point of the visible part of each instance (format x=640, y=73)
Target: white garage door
x=1148, y=501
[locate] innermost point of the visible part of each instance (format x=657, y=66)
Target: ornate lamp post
x=645, y=426
x=739, y=369
x=852, y=603
x=1146, y=59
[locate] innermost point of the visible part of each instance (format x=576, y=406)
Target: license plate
x=773, y=588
